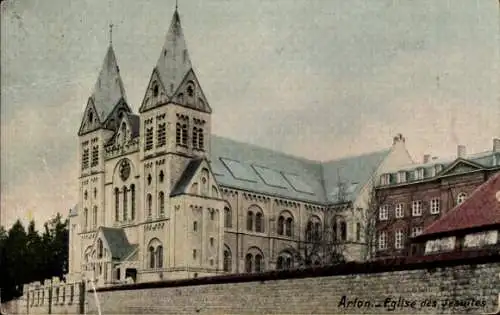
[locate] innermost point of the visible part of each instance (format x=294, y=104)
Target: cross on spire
x=111, y=33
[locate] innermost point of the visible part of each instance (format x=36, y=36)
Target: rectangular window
x=162, y=135
x=384, y=212
x=399, y=210
x=435, y=206
x=419, y=174
x=85, y=159
x=95, y=155
x=385, y=179
x=416, y=208
x=417, y=230
x=398, y=240
x=358, y=232
x=194, y=253
x=382, y=240
x=149, y=139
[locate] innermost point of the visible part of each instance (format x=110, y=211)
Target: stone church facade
x=161, y=197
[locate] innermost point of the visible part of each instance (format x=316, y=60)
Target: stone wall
x=415, y=285
x=421, y=288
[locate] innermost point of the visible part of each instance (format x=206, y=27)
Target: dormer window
x=402, y=177
x=419, y=174
x=438, y=168
x=385, y=179
x=155, y=89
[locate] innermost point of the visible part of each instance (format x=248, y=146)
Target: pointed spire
x=108, y=89
x=173, y=63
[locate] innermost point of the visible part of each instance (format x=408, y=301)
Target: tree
x=26, y=256
x=322, y=244
x=368, y=216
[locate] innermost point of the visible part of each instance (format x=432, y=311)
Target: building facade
x=411, y=198
x=161, y=197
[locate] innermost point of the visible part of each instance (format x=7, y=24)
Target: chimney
x=398, y=138
x=461, y=151
x=427, y=158
x=496, y=145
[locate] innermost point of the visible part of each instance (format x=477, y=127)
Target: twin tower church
x=162, y=198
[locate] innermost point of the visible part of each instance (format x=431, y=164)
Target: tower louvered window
x=85, y=159
x=95, y=155
x=201, y=144
x=149, y=139
x=162, y=138
x=195, y=138
x=178, y=133
x=184, y=134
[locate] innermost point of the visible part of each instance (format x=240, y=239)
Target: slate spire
x=173, y=63
x=108, y=89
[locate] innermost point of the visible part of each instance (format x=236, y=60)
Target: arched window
x=161, y=176
x=201, y=141
x=309, y=232
x=190, y=88
x=161, y=203
x=155, y=89
x=100, y=248
x=259, y=224
x=461, y=197
x=159, y=257
x=281, y=223
x=227, y=260
x=151, y=257
x=250, y=221
x=289, y=227
x=132, y=206
x=334, y=230
x=248, y=262
x=117, y=204
x=195, y=226
x=125, y=203
x=85, y=218
x=95, y=216
x=195, y=138
x=284, y=261
x=343, y=231
x=313, y=230
x=150, y=178
x=258, y=263
x=85, y=195
x=149, y=205
x=178, y=131
x=228, y=220
x=91, y=116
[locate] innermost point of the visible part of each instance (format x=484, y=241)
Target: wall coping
x=429, y=262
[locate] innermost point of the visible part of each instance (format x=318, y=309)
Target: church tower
x=178, y=185
x=105, y=107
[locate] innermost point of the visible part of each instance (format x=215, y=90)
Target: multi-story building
x=161, y=197
x=410, y=198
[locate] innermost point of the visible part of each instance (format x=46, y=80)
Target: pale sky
x=315, y=78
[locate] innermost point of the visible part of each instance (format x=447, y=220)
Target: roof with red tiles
x=482, y=208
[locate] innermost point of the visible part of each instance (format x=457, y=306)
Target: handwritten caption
x=401, y=303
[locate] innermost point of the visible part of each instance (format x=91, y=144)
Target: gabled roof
x=117, y=242
x=108, y=89
x=249, y=167
x=481, y=209
x=186, y=177
x=174, y=63
x=345, y=178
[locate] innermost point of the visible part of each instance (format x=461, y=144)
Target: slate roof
x=118, y=243
x=173, y=63
x=253, y=168
x=108, y=89
x=486, y=159
x=186, y=176
x=482, y=208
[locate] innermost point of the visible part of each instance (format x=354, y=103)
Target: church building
x=161, y=197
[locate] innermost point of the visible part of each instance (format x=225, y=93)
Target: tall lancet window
x=125, y=203
x=117, y=205
x=95, y=217
x=132, y=205
x=149, y=205
x=161, y=203
x=86, y=219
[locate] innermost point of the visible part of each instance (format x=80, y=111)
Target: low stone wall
x=450, y=287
